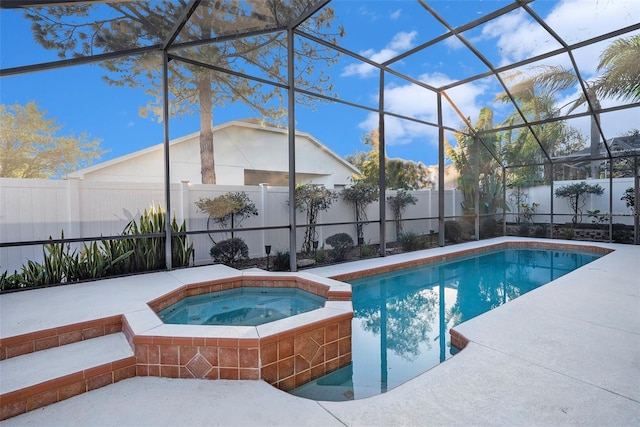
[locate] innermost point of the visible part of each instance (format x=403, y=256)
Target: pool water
x=402, y=319
x=241, y=307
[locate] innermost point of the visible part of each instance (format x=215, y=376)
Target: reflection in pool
x=402, y=319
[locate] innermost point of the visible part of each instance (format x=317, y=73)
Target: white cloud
x=368, y=12
x=453, y=43
x=400, y=42
x=518, y=36
x=395, y=14
x=414, y=101
x=515, y=36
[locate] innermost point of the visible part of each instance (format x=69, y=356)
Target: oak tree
x=400, y=173
x=33, y=146
x=213, y=35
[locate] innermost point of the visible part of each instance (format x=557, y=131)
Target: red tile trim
x=310, y=286
x=52, y=391
x=443, y=257
x=458, y=340
x=54, y=337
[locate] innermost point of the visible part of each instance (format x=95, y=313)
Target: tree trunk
x=207, y=161
x=595, y=148
x=595, y=134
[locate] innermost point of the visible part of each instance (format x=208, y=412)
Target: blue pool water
x=241, y=307
x=402, y=319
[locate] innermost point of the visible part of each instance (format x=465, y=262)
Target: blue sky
x=81, y=102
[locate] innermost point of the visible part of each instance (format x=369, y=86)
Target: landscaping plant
x=312, y=199
x=230, y=252
x=341, y=243
x=452, y=230
x=576, y=195
x=281, y=261
x=129, y=254
x=628, y=197
x=228, y=210
x=410, y=241
x=360, y=195
x=398, y=204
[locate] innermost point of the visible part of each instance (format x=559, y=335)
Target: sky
x=81, y=102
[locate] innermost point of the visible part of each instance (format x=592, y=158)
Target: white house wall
x=237, y=147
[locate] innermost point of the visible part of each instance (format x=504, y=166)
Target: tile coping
x=146, y=322
x=392, y=266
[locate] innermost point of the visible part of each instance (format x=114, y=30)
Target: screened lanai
x=279, y=134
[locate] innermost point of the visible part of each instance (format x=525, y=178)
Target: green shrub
x=488, y=228
x=366, y=250
x=148, y=253
x=34, y=274
x=468, y=226
x=230, y=252
x=14, y=281
x=566, y=233
x=523, y=230
x=107, y=257
x=341, y=243
x=452, y=231
x=321, y=254
x=281, y=261
x=410, y=241
x=541, y=231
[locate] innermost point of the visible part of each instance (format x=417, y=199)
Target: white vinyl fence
x=32, y=209
x=542, y=195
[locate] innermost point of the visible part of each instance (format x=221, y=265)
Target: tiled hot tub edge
x=286, y=353
x=285, y=360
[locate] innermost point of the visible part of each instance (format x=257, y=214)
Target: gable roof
x=249, y=123
x=621, y=145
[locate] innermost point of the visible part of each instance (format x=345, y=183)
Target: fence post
x=74, y=214
x=263, y=218
x=185, y=198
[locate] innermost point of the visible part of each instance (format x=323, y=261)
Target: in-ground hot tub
x=241, y=306
x=286, y=353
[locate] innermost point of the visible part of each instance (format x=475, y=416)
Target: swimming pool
x=402, y=318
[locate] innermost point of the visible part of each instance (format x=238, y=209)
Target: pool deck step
x=33, y=380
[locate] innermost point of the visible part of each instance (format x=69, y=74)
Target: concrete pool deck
x=567, y=353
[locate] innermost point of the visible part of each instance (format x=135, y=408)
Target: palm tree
x=535, y=97
x=621, y=65
x=620, y=80
x=478, y=169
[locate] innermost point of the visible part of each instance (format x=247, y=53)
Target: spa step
x=36, y=379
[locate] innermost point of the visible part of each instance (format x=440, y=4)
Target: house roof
x=621, y=145
x=249, y=123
